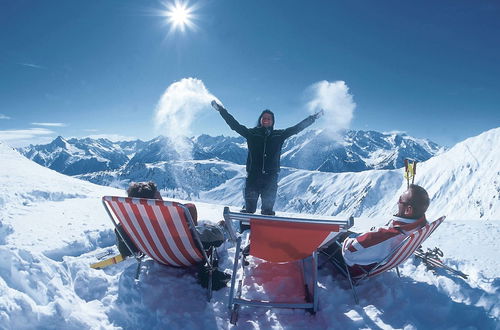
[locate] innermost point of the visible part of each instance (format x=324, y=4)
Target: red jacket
x=370, y=248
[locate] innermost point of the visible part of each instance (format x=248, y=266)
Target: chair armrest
x=228, y=224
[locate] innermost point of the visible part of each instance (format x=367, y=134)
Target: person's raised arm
x=233, y=123
x=303, y=124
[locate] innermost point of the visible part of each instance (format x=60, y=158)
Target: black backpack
x=120, y=243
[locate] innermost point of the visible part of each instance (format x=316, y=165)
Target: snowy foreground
x=53, y=226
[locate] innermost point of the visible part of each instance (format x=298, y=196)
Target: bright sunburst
x=179, y=15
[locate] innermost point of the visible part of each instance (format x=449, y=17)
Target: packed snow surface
x=53, y=226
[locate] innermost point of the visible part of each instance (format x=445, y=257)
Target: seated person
x=210, y=235
x=367, y=249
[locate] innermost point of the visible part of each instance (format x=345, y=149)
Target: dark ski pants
x=263, y=185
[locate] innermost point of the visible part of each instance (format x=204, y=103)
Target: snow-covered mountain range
x=463, y=181
x=358, y=151
x=215, y=162
x=77, y=156
x=312, y=150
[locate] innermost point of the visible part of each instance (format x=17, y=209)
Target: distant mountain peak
x=59, y=142
x=354, y=151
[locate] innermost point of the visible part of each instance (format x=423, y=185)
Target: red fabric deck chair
x=162, y=230
x=280, y=240
x=397, y=256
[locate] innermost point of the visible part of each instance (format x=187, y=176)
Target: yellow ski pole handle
x=110, y=261
x=410, y=173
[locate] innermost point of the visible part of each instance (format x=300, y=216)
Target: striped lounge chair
x=395, y=258
x=162, y=230
x=284, y=242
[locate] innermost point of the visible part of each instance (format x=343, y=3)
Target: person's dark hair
x=262, y=114
x=142, y=190
x=419, y=200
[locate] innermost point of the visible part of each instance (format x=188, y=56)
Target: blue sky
x=429, y=68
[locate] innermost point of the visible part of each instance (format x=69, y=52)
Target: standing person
x=263, y=160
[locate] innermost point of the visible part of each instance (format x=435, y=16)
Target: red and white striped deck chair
x=397, y=256
x=281, y=240
x=162, y=230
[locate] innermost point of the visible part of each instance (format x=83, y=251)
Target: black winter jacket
x=264, y=145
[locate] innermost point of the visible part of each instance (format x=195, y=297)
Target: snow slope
x=463, y=183
x=52, y=227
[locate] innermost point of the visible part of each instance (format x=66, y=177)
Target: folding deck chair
x=162, y=230
x=280, y=240
x=395, y=258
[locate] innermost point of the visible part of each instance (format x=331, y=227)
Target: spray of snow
x=336, y=101
x=177, y=109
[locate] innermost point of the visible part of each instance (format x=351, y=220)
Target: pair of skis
x=432, y=260
x=107, y=262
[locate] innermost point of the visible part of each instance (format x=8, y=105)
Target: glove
x=216, y=105
x=319, y=114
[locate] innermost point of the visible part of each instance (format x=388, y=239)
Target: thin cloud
x=23, y=137
x=396, y=132
x=34, y=66
x=2, y=116
x=112, y=137
x=50, y=124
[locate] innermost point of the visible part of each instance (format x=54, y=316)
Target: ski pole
x=406, y=174
x=414, y=171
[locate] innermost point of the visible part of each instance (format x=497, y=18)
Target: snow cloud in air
x=334, y=98
x=178, y=107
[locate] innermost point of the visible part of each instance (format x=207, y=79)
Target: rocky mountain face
x=312, y=150
x=358, y=151
x=79, y=156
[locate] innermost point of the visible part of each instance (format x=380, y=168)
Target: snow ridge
x=47, y=243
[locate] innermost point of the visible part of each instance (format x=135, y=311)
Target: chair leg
x=328, y=255
x=234, y=314
x=235, y=270
x=356, y=300
x=315, y=281
x=138, y=270
x=339, y=267
x=344, y=269
x=304, y=279
x=210, y=279
x=235, y=307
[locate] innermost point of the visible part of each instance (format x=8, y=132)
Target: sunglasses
x=404, y=203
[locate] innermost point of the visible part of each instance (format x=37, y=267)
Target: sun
x=179, y=16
